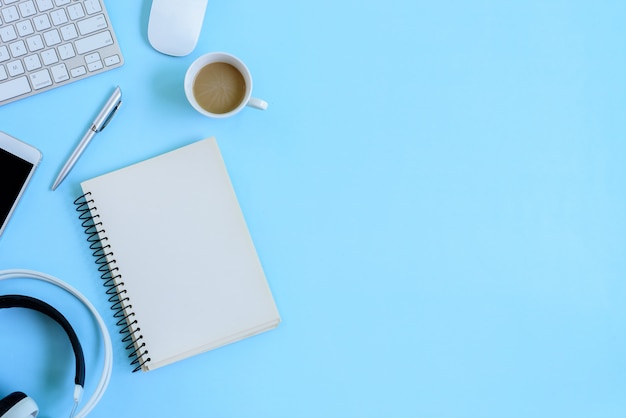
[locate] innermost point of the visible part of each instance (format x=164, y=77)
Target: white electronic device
x=174, y=26
x=53, y=44
x=18, y=161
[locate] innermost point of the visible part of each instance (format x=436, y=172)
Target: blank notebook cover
x=180, y=254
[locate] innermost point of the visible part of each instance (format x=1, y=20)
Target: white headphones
x=17, y=404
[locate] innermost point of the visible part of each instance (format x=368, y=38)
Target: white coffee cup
x=208, y=89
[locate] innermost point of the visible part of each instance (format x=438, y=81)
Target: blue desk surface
x=436, y=193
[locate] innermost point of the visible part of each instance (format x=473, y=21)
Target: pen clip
x=110, y=116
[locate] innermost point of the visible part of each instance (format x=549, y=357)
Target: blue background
x=436, y=193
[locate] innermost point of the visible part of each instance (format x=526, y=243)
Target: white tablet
x=18, y=161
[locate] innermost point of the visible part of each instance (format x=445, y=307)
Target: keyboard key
x=112, y=60
x=18, y=48
x=42, y=22
x=3, y=73
x=35, y=43
x=92, y=6
x=14, y=88
x=49, y=56
x=25, y=28
x=61, y=2
x=66, y=51
x=76, y=11
x=10, y=14
x=52, y=37
x=32, y=62
x=93, y=42
x=44, y=5
x=59, y=73
x=4, y=54
x=92, y=24
x=41, y=79
x=58, y=17
x=78, y=71
x=89, y=58
x=95, y=66
x=68, y=32
x=15, y=68
x=27, y=8
x=7, y=33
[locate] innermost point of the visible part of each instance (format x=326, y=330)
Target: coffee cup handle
x=257, y=103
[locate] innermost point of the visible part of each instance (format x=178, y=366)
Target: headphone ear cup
x=18, y=405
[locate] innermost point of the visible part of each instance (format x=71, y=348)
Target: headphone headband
x=107, y=366
x=21, y=301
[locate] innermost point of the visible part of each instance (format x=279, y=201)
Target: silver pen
x=101, y=121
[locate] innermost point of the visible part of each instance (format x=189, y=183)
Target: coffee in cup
x=218, y=85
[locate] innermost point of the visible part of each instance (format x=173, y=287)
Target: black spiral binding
x=118, y=297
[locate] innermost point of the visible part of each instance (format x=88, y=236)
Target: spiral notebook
x=176, y=254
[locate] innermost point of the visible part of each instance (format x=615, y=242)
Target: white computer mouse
x=174, y=25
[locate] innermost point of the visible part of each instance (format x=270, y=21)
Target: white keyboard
x=48, y=43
